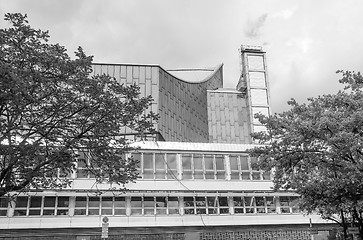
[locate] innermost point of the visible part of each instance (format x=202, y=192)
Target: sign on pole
x=105, y=224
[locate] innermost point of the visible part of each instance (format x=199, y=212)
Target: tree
x=53, y=112
x=316, y=148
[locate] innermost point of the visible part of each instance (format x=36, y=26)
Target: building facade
x=197, y=180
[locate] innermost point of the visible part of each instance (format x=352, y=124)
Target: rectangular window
x=160, y=168
x=238, y=205
x=189, y=205
x=235, y=167
x=81, y=206
x=187, y=166
x=223, y=205
x=171, y=166
x=198, y=166
x=200, y=205
x=209, y=166
x=260, y=205
x=271, y=204
x=212, y=203
x=256, y=173
x=106, y=206
x=3, y=206
x=245, y=168
x=149, y=205
x=173, y=205
x=148, y=166
x=35, y=205
x=38, y=205
x=220, y=171
x=289, y=204
x=49, y=206
x=62, y=206
x=249, y=204
x=136, y=205
x=120, y=206
x=161, y=205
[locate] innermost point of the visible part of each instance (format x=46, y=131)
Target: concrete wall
x=228, y=118
x=183, y=107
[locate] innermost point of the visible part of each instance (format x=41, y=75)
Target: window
x=171, y=166
x=157, y=165
x=238, y=204
x=3, y=206
x=239, y=167
x=206, y=205
x=198, y=166
x=220, y=172
x=37, y=205
x=289, y=204
x=136, y=205
x=150, y=205
x=249, y=204
x=256, y=173
x=100, y=206
x=119, y=206
x=187, y=166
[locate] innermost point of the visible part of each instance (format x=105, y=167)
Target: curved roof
x=194, y=75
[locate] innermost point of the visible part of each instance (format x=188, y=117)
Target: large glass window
x=289, y=204
x=38, y=205
x=171, y=166
x=3, y=206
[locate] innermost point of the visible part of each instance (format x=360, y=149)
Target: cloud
x=284, y=14
x=253, y=27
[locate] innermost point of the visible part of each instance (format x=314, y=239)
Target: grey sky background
x=306, y=41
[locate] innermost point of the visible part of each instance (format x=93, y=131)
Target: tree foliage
x=53, y=111
x=316, y=148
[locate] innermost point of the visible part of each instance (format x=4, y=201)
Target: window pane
x=49, y=202
x=149, y=202
x=160, y=202
x=34, y=212
x=173, y=205
x=63, y=201
x=219, y=162
x=159, y=161
x=119, y=202
x=187, y=161
x=233, y=160
x=48, y=212
x=197, y=158
x=260, y=201
x=106, y=202
x=81, y=202
x=35, y=202
x=136, y=206
x=3, y=202
x=148, y=160
x=208, y=161
x=244, y=163
x=223, y=202
x=94, y=202
x=171, y=160
x=21, y=202
x=198, y=166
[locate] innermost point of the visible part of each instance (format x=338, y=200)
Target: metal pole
x=311, y=229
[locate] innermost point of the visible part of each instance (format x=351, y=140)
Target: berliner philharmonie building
x=197, y=181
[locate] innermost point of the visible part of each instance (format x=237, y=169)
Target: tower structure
x=254, y=84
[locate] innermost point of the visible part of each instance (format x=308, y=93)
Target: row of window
x=147, y=205
x=188, y=166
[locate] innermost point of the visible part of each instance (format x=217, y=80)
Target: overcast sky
x=306, y=41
